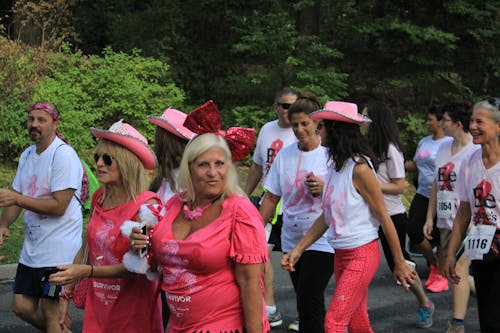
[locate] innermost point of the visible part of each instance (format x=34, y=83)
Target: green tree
x=90, y=91
x=43, y=23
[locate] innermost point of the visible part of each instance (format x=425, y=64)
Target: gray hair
x=280, y=93
x=490, y=105
x=197, y=146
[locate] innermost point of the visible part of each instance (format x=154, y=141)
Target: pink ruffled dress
x=198, y=272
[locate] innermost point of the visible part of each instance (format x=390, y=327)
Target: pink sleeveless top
x=118, y=305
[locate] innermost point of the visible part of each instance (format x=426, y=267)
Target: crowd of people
x=190, y=251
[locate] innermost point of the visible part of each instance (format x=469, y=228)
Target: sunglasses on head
x=107, y=159
x=495, y=102
x=285, y=106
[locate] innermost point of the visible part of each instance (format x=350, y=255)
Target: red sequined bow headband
x=206, y=119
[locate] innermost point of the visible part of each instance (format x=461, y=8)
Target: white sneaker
x=275, y=319
x=294, y=326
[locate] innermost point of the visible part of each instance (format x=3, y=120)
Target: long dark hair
x=168, y=150
x=383, y=130
x=344, y=141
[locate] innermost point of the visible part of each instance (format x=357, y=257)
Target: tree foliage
x=409, y=54
x=45, y=24
x=90, y=91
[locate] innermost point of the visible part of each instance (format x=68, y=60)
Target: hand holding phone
x=144, y=230
x=312, y=184
x=48, y=271
x=412, y=266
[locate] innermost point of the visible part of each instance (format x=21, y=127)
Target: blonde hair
x=197, y=146
x=131, y=168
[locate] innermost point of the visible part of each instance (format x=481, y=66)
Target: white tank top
x=350, y=220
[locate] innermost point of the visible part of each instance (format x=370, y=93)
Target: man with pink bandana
x=47, y=187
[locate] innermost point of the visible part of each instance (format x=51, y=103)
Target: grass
x=9, y=251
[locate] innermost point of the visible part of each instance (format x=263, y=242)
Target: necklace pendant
x=192, y=214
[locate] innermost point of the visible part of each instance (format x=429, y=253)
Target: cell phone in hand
x=144, y=231
x=412, y=266
x=48, y=271
x=47, y=288
x=309, y=175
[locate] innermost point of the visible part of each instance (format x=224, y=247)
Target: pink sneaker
x=438, y=285
x=432, y=276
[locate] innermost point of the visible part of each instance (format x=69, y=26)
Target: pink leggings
x=354, y=270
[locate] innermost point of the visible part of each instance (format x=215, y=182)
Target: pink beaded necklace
x=197, y=212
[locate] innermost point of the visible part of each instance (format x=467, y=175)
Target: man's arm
x=254, y=176
x=54, y=206
x=9, y=215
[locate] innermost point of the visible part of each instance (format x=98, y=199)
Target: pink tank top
x=118, y=305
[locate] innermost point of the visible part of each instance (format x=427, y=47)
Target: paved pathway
x=391, y=310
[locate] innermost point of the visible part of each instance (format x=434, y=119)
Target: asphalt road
x=390, y=308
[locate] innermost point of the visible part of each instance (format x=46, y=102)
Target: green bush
x=21, y=68
x=90, y=91
x=96, y=91
x=412, y=130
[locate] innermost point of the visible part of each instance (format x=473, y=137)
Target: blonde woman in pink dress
x=210, y=246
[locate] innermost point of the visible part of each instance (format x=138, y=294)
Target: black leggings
x=487, y=281
x=400, y=223
x=417, y=216
x=310, y=278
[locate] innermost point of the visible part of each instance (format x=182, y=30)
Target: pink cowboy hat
x=340, y=111
x=127, y=136
x=172, y=120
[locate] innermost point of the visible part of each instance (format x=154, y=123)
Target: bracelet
x=91, y=271
x=65, y=294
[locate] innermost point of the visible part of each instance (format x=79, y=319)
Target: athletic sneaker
x=294, y=326
x=439, y=284
x=425, y=316
x=454, y=328
x=432, y=275
x=275, y=319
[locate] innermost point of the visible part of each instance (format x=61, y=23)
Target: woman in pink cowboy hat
x=171, y=138
x=122, y=155
x=353, y=210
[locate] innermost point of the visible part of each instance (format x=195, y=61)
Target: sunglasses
x=495, y=102
x=107, y=159
x=285, y=106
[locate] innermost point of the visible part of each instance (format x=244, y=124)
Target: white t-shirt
x=425, y=157
x=446, y=175
x=165, y=192
x=270, y=141
x=287, y=178
x=349, y=217
x=392, y=168
x=480, y=187
x=50, y=240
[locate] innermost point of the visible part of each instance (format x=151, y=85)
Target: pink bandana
x=45, y=107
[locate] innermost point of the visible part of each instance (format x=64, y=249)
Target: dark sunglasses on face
x=107, y=159
x=285, y=106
